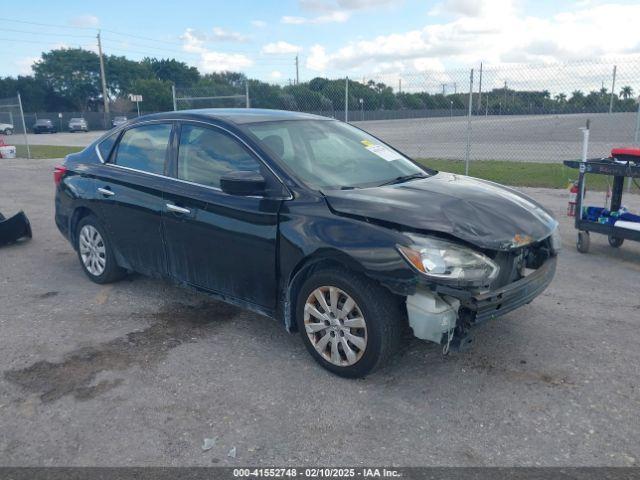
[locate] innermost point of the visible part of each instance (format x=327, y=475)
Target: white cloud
x=210, y=60
x=338, y=16
x=24, y=65
x=496, y=32
x=84, y=21
x=258, y=23
x=333, y=5
x=280, y=48
x=222, y=35
x=332, y=11
x=275, y=74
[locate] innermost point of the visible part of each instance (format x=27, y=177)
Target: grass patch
x=522, y=174
x=46, y=151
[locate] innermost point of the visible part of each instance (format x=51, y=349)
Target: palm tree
x=561, y=97
x=626, y=92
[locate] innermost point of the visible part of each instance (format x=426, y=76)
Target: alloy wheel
x=335, y=326
x=92, y=250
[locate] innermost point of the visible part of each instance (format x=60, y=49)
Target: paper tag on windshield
x=384, y=152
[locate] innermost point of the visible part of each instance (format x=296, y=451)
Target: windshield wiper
x=404, y=178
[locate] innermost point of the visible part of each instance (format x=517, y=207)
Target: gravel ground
x=537, y=138
x=140, y=372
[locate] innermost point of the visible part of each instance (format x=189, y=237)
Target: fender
x=310, y=235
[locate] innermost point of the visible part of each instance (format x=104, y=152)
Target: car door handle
x=174, y=208
x=106, y=191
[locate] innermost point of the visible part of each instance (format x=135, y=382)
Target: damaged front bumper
x=444, y=314
x=14, y=228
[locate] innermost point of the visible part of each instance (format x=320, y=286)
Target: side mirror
x=243, y=183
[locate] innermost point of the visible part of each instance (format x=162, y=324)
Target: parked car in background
x=78, y=125
x=310, y=221
x=44, y=125
x=117, y=121
x=6, y=128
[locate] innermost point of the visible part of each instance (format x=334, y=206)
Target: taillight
x=58, y=173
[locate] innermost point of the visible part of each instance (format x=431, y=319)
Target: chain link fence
x=486, y=119
x=13, y=130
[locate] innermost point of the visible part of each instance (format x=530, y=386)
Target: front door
x=219, y=242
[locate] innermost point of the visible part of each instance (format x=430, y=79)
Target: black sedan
x=307, y=220
x=44, y=125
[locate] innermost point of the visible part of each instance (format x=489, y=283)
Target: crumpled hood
x=482, y=213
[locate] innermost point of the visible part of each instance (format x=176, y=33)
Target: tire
x=8, y=131
x=583, y=242
x=615, y=242
x=105, y=271
x=375, y=307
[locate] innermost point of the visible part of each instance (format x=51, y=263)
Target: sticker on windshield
x=384, y=152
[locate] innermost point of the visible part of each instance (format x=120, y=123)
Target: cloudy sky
x=331, y=37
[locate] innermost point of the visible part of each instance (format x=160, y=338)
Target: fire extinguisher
x=573, y=196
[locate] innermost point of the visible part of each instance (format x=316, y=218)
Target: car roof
x=239, y=115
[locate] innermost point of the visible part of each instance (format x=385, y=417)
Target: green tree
x=73, y=74
x=156, y=94
x=626, y=92
x=178, y=73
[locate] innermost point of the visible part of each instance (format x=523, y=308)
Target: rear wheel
x=8, y=131
x=349, y=324
x=615, y=242
x=95, y=253
x=583, y=242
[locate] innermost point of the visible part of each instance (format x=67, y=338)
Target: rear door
x=215, y=241
x=129, y=189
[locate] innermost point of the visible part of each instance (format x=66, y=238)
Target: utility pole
x=297, y=71
x=104, y=83
x=399, y=85
x=443, y=85
x=613, y=88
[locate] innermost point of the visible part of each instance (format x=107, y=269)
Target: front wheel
x=95, y=253
x=349, y=324
x=8, y=131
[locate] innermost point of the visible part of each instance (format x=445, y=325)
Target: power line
x=47, y=33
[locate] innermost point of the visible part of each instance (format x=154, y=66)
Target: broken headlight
x=448, y=262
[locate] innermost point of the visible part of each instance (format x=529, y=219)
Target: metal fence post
x=636, y=137
x=246, y=93
x=613, y=88
x=24, y=127
x=346, y=99
x=173, y=94
x=468, y=152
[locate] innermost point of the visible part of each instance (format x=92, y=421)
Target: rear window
x=144, y=148
x=77, y=120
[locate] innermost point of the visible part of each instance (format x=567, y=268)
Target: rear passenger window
x=106, y=145
x=206, y=154
x=144, y=148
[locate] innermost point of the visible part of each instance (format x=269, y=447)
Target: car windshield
x=327, y=154
x=77, y=120
x=43, y=122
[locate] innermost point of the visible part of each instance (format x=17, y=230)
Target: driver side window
x=206, y=154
